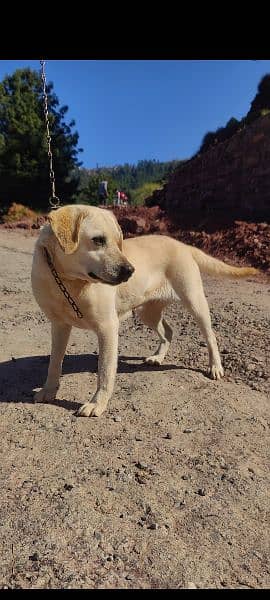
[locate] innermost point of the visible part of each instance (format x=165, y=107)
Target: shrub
x=18, y=212
x=139, y=195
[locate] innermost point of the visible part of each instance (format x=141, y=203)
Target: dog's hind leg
x=151, y=315
x=190, y=291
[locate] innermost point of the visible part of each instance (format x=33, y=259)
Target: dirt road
x=170, y=487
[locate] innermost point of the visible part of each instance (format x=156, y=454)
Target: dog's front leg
x=107, y=365
x=60, y=335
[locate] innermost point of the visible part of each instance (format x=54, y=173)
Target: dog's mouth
x=94, y=276
x=124, y=274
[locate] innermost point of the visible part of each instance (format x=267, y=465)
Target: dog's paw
x=153, y=360
x=90, y=409
x=216, y=372
x=45, y=395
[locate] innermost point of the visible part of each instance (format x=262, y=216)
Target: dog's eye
x=99, y=240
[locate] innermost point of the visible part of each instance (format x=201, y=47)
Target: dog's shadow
x=21, y=376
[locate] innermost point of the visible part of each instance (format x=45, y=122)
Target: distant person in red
x=124, y=199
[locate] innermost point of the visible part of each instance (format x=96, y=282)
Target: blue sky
x=130, y=110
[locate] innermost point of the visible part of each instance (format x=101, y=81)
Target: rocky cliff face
x=232, y=177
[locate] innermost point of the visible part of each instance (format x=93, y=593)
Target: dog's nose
x=125, y=272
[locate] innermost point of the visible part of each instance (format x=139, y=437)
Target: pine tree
x=24, y=167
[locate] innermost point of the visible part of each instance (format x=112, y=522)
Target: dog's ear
x=65, y=223
x=119, y=230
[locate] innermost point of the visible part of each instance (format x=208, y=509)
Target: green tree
x=208, y=141
x=232, y=127
x=220, y=135
x=260, y=105
x=24, y=168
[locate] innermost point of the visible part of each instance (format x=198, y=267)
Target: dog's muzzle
x=123, y=274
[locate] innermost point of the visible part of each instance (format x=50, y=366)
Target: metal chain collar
x=53, y=200
x=62, y=286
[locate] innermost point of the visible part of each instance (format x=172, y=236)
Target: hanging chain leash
x=53, y=200
x=62, y=286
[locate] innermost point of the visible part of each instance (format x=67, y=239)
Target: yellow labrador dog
x=85, y=275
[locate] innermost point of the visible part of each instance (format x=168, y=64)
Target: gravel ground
x=170, y=487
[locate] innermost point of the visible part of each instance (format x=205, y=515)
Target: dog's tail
x=213, y=266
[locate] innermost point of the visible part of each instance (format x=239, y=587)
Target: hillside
x=229, y=181
x=135, y=180
x=132, y=176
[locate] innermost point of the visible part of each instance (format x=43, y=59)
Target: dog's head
x=89, y=244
